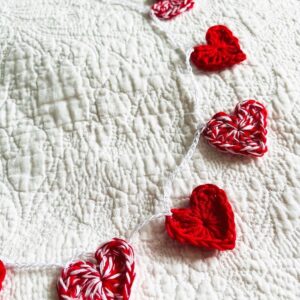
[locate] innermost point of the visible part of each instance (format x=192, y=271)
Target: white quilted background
x=96, y=110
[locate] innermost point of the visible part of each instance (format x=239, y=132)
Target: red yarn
x=244, y=132
x=222, y=50
x=169, y=9
x=109, y=278
x=2, y=273
x=208, y=222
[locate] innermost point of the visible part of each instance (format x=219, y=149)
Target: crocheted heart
x=109, y=277
x=168, y=9
x=2, y=273
x=222, y=50
x=207, y=223
x=244, y=132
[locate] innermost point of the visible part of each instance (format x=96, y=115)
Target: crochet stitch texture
x=110, y=278
x=207, y=223
x=222, y=50
x=244, y=132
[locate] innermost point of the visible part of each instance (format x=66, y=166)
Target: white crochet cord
x=166, y=199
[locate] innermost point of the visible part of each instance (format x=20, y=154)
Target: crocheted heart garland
x=222, y=50
x=169, y=9
x=207, y=223
x=2, y=273
x=244, y=132
x=111, y=277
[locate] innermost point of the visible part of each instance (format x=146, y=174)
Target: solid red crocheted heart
x=169, y=9
x=208, y=222
x=109, y=277
x=244, y=132
x=2, y=273
x=222, y=50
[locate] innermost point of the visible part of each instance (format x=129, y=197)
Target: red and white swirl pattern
x=110, y=277
x=169, y=9
x=244, y=132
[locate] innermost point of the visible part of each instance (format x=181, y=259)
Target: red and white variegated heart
x=244, y=132
x=169, y=9
x=110, y=276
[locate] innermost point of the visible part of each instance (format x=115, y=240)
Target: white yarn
x=186, y=159
x=31, y=266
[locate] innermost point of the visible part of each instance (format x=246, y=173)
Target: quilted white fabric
x=97, y=109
